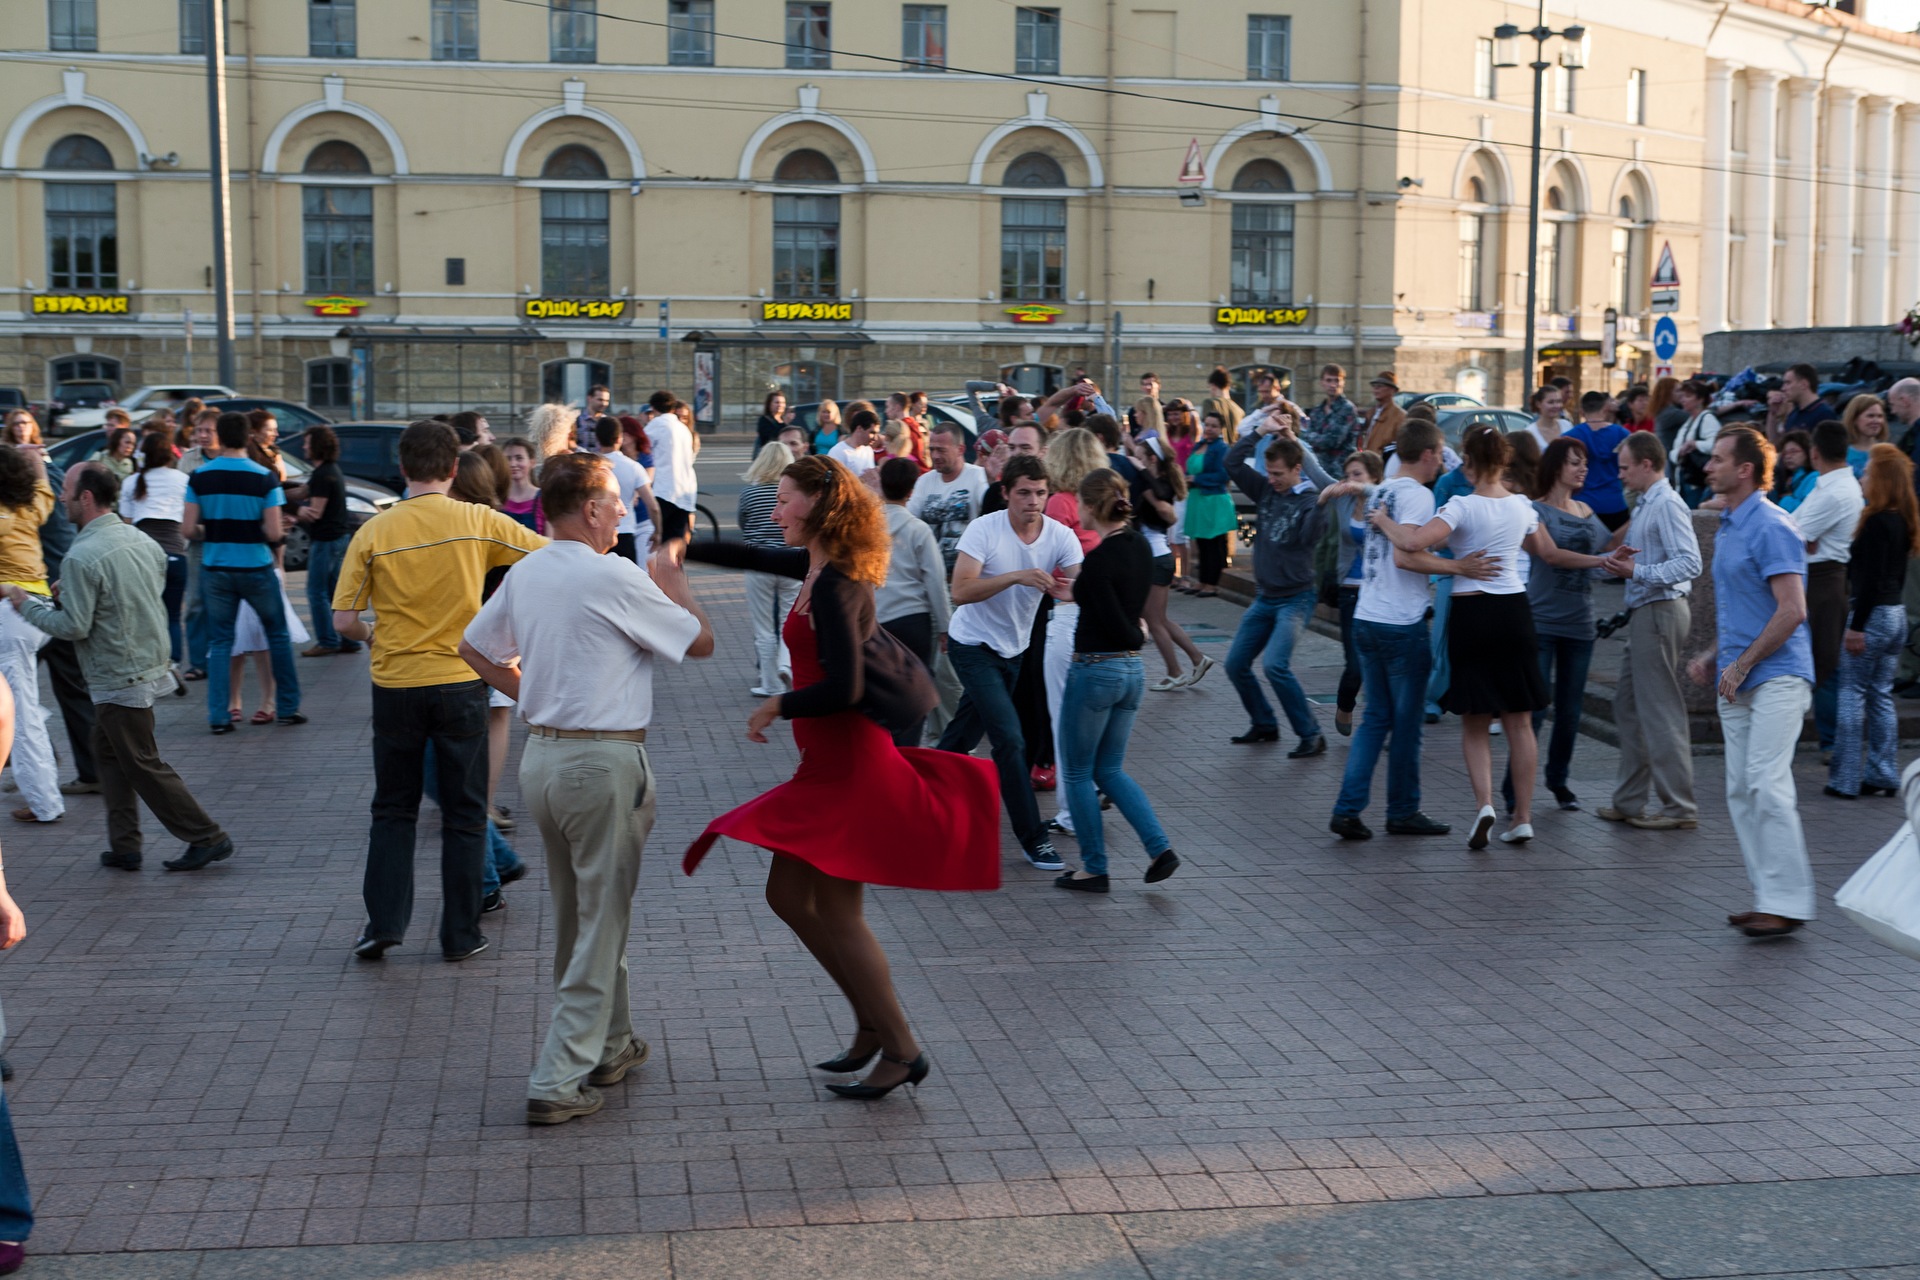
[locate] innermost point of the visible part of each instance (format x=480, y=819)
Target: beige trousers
x=1650, y=713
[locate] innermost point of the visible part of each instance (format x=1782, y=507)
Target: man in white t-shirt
x=674, y=483
x=635, y=491
x=1007, y=561
x=855, y=449
x=1390, y=637
x=948, y=497
x=587, y=628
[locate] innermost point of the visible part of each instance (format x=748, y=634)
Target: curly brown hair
x=847, y=520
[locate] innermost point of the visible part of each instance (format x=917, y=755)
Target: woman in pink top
x=1072, y=455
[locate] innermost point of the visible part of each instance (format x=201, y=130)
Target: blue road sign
x=1666, y=339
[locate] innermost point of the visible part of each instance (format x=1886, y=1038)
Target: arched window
x=78, y=151
x=1478, y=224
x=574, y=234
x=337, y=157
x=83, y=237
x=574, y=161
x=806, y=230
x=1263, y=175
x=1035, y=169
x=1476, y=190
x=807, y=166
x=88, y=368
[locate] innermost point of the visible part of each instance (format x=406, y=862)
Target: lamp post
x=1573, y=56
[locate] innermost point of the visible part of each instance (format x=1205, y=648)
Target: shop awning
x=1574, y=348
x=777, y=338
x=519, y=335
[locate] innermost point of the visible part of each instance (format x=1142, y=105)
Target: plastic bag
x=1883, y=896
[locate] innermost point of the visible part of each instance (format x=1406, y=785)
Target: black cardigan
x=1877, y=565
x=843, y=621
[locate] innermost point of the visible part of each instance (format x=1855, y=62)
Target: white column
x=1876, y=217
x=1833, y=286
x=1757, y=211
x=1906, y=272
x=1796, y=295
x=1713, y=214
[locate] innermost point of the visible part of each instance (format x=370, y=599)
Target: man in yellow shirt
x=420, y=566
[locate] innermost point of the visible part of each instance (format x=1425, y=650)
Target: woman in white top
x=1549, y=405
x=1694, y=441
x=154, y=501
x=1490, y=639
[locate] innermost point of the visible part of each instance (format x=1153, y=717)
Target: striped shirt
x=233, y=495
x=756, y=516
x=1669, y=558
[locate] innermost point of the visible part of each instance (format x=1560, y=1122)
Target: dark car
x=368, y=451
x=291, y=416
x=12, y=398
x=89, y=394
x=364, y=501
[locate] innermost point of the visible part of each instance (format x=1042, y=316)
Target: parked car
x=80, y=397
x=12, y=398
x=368, y=451
x=292, y=415
x=1438, y=399
x=364, y=500
x=139, y=406
x=808, y=416
x=1454, y=422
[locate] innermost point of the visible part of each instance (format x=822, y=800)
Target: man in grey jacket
x=109, y=605
x=1290, y=522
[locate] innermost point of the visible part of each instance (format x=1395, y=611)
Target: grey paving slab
x=1835, y=1224
x=1088, y=1247
x=1492, y=1238
x=644, y=1257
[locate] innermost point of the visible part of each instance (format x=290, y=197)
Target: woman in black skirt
x=1490, y=640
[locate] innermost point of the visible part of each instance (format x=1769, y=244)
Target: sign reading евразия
x=574, y=308
x=822, y=310
x=80, y=304
x=1267, y=317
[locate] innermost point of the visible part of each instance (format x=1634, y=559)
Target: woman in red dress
x=918, y=819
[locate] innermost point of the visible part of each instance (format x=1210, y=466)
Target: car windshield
x=84, y=389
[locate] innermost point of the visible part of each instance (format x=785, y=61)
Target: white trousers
x=1761, y=727
x=33, y=766
x=769, y=598
x=1059, y=660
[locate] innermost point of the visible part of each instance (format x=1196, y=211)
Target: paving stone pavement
x=1290, y=1024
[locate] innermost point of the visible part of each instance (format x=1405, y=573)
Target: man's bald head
x=1903, y=397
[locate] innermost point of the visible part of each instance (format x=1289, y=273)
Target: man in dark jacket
x=1290, y=522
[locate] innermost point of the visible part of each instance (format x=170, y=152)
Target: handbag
x=1883, y=896
x=898, y=689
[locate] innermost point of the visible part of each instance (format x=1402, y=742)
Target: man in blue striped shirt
x=235, y=502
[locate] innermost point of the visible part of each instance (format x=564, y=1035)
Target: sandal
x=233, y=714
x=259, y=717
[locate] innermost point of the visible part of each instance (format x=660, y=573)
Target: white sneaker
x=758, y=692
x=1517, y=835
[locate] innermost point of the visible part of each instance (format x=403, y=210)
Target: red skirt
x=860, y=808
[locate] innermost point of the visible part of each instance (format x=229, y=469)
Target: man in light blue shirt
x=1765, y=671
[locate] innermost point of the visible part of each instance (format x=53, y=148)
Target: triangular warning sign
x=1192, y=169
x=1665, y=274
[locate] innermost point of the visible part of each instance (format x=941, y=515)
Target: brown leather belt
x=598, y=735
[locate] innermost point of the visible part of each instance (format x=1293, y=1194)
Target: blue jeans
x=1096, y=719
x=16, y=1206
x=1563, y=665
x=1440, y=675
x=1394, y=665
x=987, y=707
x=225, y=589
x=171, y=595
x=196, y=609
x=1270, y=627
x=323, y=575
x=1864, y=707
x=500, y=855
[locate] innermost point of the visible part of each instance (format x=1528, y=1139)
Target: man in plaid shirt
x=1331, y=429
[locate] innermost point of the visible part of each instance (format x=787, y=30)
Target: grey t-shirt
x=1562, y=599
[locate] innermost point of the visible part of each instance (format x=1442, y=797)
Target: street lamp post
x=1573, y=56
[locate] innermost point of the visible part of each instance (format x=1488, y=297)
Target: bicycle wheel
x=706, y=520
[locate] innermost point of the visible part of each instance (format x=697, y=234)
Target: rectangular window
x=1262, y=253
x=330, y=384
x=73, y=26
x=193, y=26
x=806, y=246
x=1555, y=271
x=923, y=36
x=456, y=30
x=338, y=230
x=1036, y=42
x=572, y=31
x=1268, y=39
x=1033, y=250
x=809, y=35
x=690, y=33
x=1472, y=231
x=1636, y=96
x=1561, y=84
x=573, y=245
x=331, y=29
x=83, y=243
x=1484, y=85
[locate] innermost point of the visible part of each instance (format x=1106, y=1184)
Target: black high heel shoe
x=850, y=1061
x=916, y=1072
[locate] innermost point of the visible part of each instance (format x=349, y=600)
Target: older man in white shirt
x=1827, y=518
x=588, y=628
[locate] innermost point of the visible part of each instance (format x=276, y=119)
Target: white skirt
x=250, y=637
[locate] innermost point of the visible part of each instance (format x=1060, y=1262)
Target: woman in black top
x=773, y=417
x=1888, y=533
x=1105, y=684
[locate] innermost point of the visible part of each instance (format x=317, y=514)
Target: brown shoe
x=1741, y=918
x=500, y=817
x=1763, y=925
x=27, y=815
x=584, y=1103
x=318, y=651
x=615, y=1069
x=1610, y=814
x=1662, y=822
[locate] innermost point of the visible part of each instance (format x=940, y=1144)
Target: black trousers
x=76, y=704
x=453, y=717
x=673, y=522
x=130, y=768
x=1030, y=694
x=624, y=546
x=916, y=632
x=1213, y=559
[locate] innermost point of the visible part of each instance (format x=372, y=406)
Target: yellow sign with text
x=574, y=308
x=1269, y=317
x=80, y=304
x=826, y=311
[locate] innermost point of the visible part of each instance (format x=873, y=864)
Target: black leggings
x=1350, y=674
x=1213, y=558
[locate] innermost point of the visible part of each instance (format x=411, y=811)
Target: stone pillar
x=1704, y=637
x=1906, y=272
x=1876, y=218
x=1757, y=212
x=1714, y=204
x=1796, y=220
x=1834, y=280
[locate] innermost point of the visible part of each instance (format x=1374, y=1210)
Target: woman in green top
x=1211, y=518
x=117, y=457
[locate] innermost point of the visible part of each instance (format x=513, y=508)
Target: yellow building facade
x=450, y=203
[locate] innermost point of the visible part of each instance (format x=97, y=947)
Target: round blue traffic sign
x=1666, y=338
